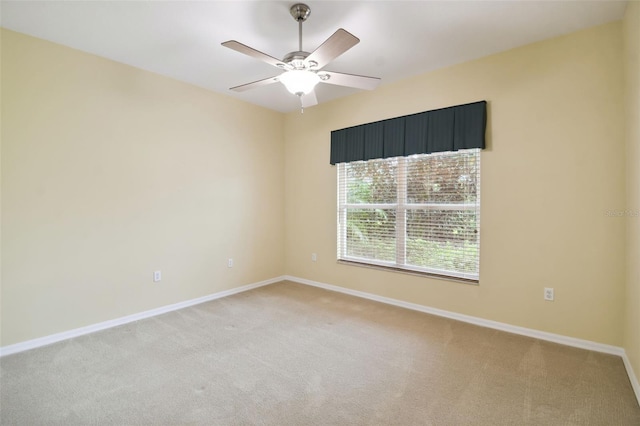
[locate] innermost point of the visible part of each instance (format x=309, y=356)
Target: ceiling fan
x=303, y=70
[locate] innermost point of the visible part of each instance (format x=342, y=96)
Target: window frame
x=401, y=206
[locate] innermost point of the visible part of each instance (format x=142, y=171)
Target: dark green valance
x=446, y=129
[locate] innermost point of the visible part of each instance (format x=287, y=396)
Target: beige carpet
x=289, y=354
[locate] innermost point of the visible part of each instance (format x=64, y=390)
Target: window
x=419, y=213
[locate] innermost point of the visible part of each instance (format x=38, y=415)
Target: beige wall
x=631, y=28
x=109, y=173
x=553, y=167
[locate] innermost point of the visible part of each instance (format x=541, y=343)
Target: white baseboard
x=47, y=340
x=542, y=335
x=632, y=376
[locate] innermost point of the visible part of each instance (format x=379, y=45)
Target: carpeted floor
x=289, y=354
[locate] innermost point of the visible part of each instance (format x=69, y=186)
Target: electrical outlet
x=548, y=294
x=157, y=276
x=314, y=257
x=230, y=263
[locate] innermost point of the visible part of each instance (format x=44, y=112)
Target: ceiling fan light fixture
x=299, y=82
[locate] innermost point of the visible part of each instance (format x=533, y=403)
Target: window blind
x=419, y=213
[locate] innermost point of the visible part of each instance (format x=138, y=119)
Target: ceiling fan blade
x=255, y=84
x=309, y=99
x=243, y=48
x=334, y=46
x=351, y=80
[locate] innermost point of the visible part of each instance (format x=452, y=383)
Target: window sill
x=408, y=272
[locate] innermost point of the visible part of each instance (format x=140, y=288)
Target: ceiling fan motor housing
x=298, y=61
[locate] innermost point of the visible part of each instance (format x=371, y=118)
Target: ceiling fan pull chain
x=301, y=104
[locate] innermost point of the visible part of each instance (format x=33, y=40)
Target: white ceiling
x=181, y=39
